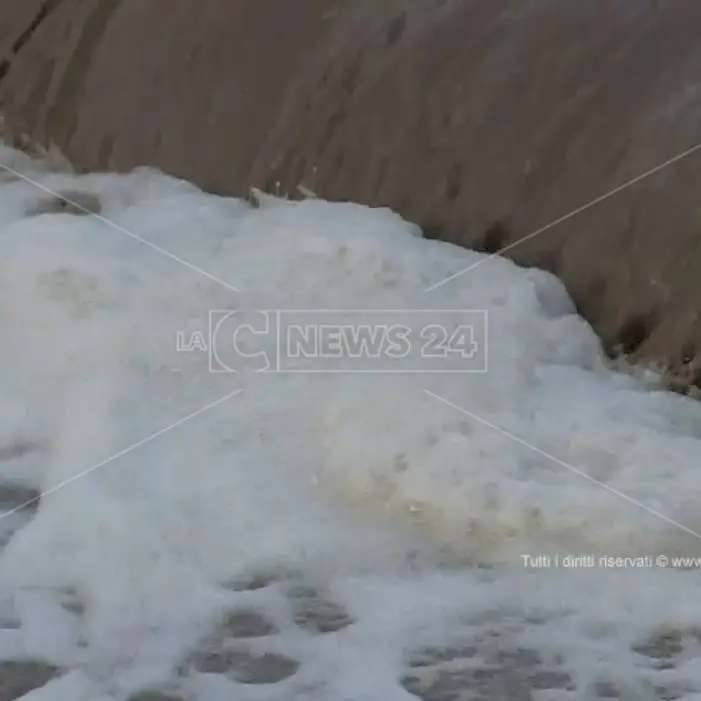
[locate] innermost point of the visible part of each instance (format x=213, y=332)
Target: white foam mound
x=547, y=447
x=578, y=484
x=169, y=475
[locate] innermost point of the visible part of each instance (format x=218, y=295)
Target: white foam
x=385, y=489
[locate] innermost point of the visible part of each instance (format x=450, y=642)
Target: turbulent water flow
x=338, y=526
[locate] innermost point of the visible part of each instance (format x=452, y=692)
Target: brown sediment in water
x=482, y=120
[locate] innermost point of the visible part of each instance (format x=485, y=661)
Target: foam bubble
x=376, y=522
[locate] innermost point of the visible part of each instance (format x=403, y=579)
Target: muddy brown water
x=482, y=120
